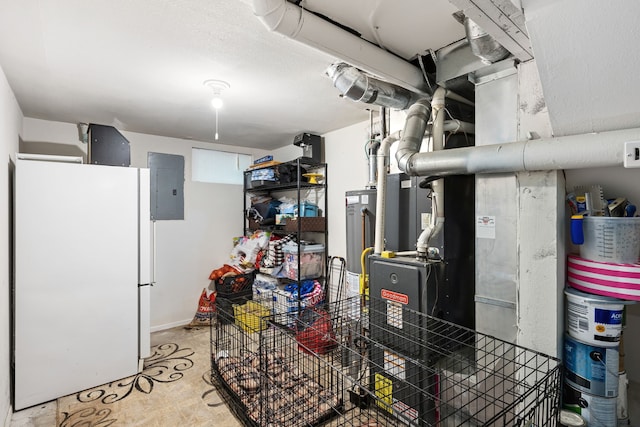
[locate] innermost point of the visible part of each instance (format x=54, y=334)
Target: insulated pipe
x=305, y=27
x=483, y=45
x=381, y=189
x=566, y=152
x=359, y=87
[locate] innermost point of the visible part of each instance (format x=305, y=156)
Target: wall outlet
x=632, y=154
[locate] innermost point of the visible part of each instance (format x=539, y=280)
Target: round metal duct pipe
x=359, y=87
x=483, y=45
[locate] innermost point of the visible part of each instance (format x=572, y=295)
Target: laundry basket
x=611, y=239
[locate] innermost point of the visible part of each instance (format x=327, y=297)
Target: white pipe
x=567, y=152
x=49, y=158
x=298, y=24
x=381, y=189
x=437, y=187
x=455, y=126
x=406, y=253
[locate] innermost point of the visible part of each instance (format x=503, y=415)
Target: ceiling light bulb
x=216, y=102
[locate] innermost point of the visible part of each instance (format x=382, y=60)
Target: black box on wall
x=312, y=147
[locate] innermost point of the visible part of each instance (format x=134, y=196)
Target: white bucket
x=596, y=410
x=591, y=369
x=611, y=239
x=594, y=319
x=571, y=419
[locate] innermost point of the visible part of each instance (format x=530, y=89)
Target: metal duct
x=359, y=87
x=567, y=152
x=303, y=26
x=482, y=44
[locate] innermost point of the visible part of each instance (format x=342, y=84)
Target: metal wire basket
x=387, y=366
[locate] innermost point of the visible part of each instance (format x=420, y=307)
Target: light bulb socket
x=217, y=85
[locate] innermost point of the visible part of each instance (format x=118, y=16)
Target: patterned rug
x=174, y=389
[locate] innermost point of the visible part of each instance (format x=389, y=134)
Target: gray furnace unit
x=407, y=211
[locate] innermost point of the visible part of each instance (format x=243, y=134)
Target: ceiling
x=140, y=65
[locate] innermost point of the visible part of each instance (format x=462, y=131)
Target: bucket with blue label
x=597, y=411
x=594, y=319
x=592, y=369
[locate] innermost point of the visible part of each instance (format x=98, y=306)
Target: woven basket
x=312, y=223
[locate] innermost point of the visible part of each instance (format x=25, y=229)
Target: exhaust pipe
x=359, y=87
x=482, y=44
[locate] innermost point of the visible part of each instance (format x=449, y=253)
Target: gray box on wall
x=167, y=186
x=107, y=146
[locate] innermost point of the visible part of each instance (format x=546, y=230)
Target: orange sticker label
x=394, y=296
x=600, y=328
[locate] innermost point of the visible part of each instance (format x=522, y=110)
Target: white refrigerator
x=83, y=267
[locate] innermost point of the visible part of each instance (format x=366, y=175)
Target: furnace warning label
x=384, y=392
x=394, y=314
x=485, y=227
x=395, y=365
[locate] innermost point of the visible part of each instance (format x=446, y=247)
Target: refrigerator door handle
x=154, y=252
x=146, y=263
x=144, y=340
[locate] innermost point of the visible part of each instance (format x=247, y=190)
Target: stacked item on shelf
x=602, y=279
x=310, y=264
x=289, y=302
x=263, y=287
x=275, y=254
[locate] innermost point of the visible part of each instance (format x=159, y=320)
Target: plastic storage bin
x=251, y=316
x=307, y=209
x=311, y=261
x=611, y=239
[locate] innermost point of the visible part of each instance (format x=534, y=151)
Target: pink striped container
x=602, y=278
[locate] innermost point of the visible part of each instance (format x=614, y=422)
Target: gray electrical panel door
x=167, y=186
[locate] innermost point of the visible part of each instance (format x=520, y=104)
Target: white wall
x=10, y=128
x=187, y=250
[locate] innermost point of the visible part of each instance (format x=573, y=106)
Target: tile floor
x=173, y=390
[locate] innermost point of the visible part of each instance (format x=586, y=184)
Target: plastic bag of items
x=263, y=287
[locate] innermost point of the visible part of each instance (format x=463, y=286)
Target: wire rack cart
x=385, y=366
